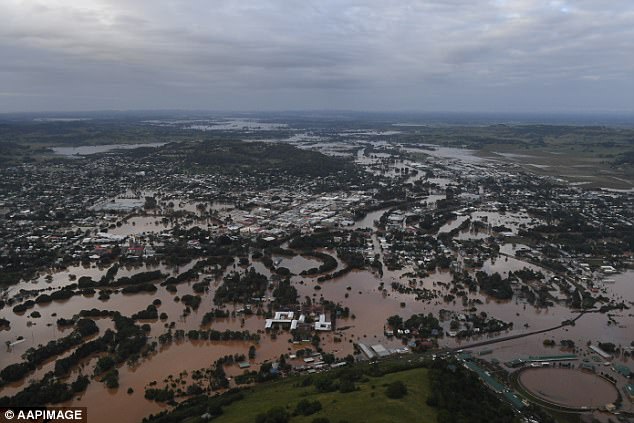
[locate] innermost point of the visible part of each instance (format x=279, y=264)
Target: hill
x=391, y=391
x=368, y=403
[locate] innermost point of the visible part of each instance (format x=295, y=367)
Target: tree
x=285, y=293
x=150, y=203
x=396, y=390
x=328, y=358
x=80, y=384
x=347, y=385
x=104, y=364
x=306, y=407
x=273, y=415
x=14, y=372
x=395, y=321
x=111, y=379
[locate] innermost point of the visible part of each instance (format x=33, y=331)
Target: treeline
x=216, y=313
x=33, y=357
x=139, y=278
x=334, y=275
x=108, y=279
x=150, y=313
x=314, y=241
x=49, y=390
x=494, y=285
x=125, y=343
x=191, y=301
x=182, y=277
x=329, y=263
x=216, y=376
x=457, y=394
x=285, y=293
x=242, y=288
x=59, y=295
x=460, y=397
x=483, y=324
x=207, y=335
x=626, y=158
x=102, y=344
x=527, y=274
x=425, y=325
x=265, y=158
x=197, y=406
x=353, y=258
x=264, y=374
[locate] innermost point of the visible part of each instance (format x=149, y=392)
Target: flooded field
x=568, y=388
x=453, y=153
x=235, y=125
x=85, y=150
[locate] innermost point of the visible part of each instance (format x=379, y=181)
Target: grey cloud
x=374, y=54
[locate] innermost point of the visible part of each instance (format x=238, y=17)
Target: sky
x=373, y=55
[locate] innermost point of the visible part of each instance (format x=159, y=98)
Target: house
x=322, y=324
x=134, y=251
x=149, y=251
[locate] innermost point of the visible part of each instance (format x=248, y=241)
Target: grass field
x=589, y=167
x=368, y=404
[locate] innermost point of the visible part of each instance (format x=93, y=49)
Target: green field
x=368, y=404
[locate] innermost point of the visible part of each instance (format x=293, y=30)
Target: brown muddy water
x=361, y=291
x=568, y=387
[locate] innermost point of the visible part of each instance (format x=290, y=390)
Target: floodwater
x=236, y=125
x=370, y=298
x=367, y=222
x=296, y=264
x=369, y=301
x=41, y=330
x=171, y=360
x=569, y=388
x=140, y=225
x=84, y=150
x=463, y=154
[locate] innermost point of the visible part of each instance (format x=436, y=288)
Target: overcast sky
x=427, y=55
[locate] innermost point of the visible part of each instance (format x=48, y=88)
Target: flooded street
x=360, y=291
x=369, y=297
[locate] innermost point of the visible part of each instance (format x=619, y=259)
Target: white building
x=322, y=324
x=284, y=318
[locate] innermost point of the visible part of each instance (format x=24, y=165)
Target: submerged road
x=519, y=335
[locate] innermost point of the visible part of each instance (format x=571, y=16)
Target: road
x=511, y=337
